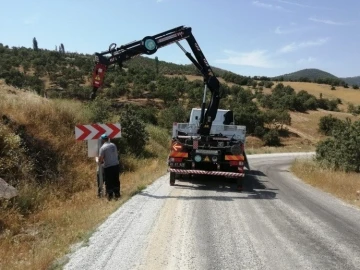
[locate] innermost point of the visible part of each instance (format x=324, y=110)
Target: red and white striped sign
x=94, y=131
x=219, y=173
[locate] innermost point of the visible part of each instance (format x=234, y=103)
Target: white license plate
x=207, y=152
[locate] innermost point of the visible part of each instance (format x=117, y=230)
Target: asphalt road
x=278, y=222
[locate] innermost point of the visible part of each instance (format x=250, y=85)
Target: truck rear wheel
x=239, y=183
x=172, y=178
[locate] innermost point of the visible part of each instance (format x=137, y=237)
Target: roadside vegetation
x=57, y=203
x=45, y=93
x=336, y=165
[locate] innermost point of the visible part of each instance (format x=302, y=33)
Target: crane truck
x=210, y=143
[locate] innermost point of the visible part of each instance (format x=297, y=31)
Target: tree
x=175, y=113
x=355, y=110
x=133, y=131
x=328, y=124
x=268, y=84
x=157, y=65
x=26, y=67
x=342, y=151
x=250, y=116
x=277, y=118
x=100, y=110
x=61, y=48
x=272, y=138
x=35, y=44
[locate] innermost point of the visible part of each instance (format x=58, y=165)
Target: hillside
x=319, y=76
x=55, y=179
x=46, y=93
x=311, y=73
x=352, y=80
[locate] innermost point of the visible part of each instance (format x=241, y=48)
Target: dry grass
x=340, y=184
x=49, y=233
x=303, y=133
x=290, y=144
x=306, y=124
x=68, y=210
x=345, y=94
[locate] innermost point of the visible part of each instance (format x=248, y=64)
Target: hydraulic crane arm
x=149, y=45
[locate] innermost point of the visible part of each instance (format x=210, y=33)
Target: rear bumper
x=202, y=172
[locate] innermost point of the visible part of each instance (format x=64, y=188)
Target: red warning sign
x=98, y=75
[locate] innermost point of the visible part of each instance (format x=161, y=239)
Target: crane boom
x=149, y=45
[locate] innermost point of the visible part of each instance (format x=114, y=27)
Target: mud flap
x=247, y=165
x=172, y=178
x=239, y=184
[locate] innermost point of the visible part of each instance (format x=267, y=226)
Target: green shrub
x=355, y=110
x=272, y=138
x=13, y=162
x=259, y=131
x=342, y=151
x=175, y=113
x=100, y=110
x=328, y=123
x=277, y=118
x=249, y=116
x=133, y=132
x=268, y=84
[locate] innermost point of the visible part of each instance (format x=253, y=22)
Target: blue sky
x=248, y=37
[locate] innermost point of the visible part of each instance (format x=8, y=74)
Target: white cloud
x=292, y=3
x=306, y=60
x=288, y=48
x=266, y=59
x=293, y=28
x=295, y=46
x=268, y=6
x=280, y=31
x=318, y=42
x=300, y=5
x=326, y=21
x=159, y=1
x=256, y=58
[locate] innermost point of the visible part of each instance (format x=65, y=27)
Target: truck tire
x=172, y=178
x=239, y=184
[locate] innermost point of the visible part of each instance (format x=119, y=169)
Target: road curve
x=278, y=222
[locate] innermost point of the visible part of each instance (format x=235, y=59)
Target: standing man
x=108, y=155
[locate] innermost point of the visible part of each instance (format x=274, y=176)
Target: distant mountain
x=352, y=80
x=311, y=73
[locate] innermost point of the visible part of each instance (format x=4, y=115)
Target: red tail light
x=234, y=163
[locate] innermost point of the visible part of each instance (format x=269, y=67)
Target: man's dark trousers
x=112, y=180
